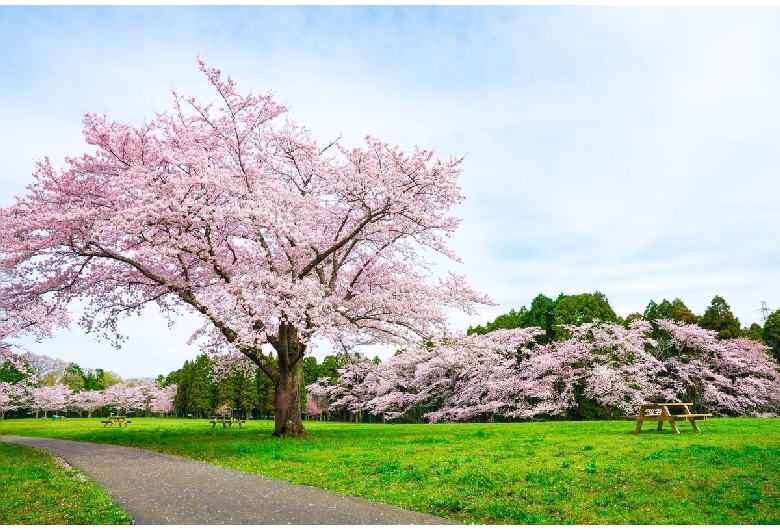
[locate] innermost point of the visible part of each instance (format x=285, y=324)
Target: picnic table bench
x=122, y=421
x=226, y=422
x=661, y=414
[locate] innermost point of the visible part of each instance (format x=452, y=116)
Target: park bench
x=119, y=420
x=663, y=414
x=226, y=422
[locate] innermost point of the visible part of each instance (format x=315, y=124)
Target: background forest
x=248, y=392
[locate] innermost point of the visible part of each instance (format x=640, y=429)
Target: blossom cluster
x=146, y=396
x=507, y=373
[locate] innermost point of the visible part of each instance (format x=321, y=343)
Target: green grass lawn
x=519, y=473
x=39, y=489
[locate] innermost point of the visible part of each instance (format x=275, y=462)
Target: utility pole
x=764, y=311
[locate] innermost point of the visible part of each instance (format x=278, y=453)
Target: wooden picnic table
x=226, y=422
x=661, y=413
x=122, y=421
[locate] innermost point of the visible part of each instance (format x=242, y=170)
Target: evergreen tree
x=754, y=332
x=200, y=390
x=582, y=308
x=771, y=333
x=182, y=378
x=329, y=367
x=511, y=320
x=224, y=392
x=550, y=315
x=311, y=372
x=676, y=311
x=542, y=315
x=718, y=317
x=245, y=392
x=266, y=394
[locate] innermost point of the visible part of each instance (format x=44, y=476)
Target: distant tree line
x=600, y=370
x=248, y=393
x=33, y=385
x=571, y=358
x=552, y=315
x=251, y=395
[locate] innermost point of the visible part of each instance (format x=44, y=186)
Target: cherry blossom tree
x=52, y=398
x=14, y=396
x=312, y=410
x=508, y=373
x=87, y=401
x=37, y=320
x=727, y=376
x=162, y=399
x=614, y=365
x=123, y=397
x=234, y=212
x=143, y=394
x=457, y=378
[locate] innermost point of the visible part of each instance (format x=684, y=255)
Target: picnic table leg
x=660, y=426
x=638, y=426
x=686, y=410
x=674, y=427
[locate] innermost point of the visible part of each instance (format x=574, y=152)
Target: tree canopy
x=234, y=212
x=771, y=333
x=553, y=315
x=606, y=366
x=676, y=311
x=718, y=317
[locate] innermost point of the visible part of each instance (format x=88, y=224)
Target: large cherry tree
x=231, y=210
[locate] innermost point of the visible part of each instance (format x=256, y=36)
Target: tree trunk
x=287, y=405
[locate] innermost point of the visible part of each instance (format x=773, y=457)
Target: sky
x=627, y=150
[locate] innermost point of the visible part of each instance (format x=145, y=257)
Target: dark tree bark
x=287, y=381
x=287, y=408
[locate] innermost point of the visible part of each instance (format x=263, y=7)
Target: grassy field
x=521, y=473
x=39, y=489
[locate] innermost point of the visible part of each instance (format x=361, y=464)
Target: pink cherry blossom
x=50, y=398
x=14, y=396
x=507, y=373
x=238, y=214
x=87, y=401
x=162, y=399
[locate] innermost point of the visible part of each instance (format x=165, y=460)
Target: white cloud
x=621, y=149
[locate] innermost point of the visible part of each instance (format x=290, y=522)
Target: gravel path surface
x=155, y=488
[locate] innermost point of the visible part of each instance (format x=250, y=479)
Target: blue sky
x=621, y=149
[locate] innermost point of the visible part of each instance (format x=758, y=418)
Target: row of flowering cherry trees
x=508, y=374
x=146, y=396
x=26, y=391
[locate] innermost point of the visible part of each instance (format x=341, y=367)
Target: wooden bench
x=122, y=421
x=226, y=422
x=664, y=415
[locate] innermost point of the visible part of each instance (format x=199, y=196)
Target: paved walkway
x=155, y=488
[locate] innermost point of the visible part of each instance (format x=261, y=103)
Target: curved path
x=156, y=488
